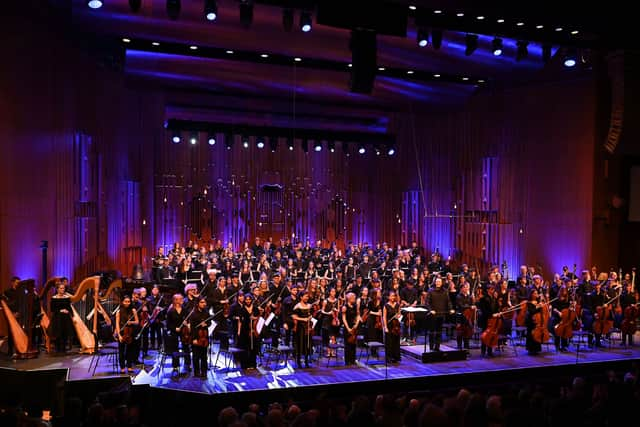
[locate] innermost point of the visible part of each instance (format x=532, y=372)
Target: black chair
x=109, y=351
x=373, y=345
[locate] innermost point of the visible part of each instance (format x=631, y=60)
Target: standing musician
x=154, y=329
x=350, y=321
x=504, y=304
x=61, y=328
x=391, y=327
x=464, y=301
x=363, y=307
x=301, y=317
x=557, y=306
x=628, y=302
x=176, y=316
x=191, y=297
x=330, y=321
x=200, y=322
x=409, y=298
x=287, y=311
x=533, y=307
x=221, y=306
x=126, y=320
x=488, y=306
x=276, y=294
x=439, y=304
x=374, y=319
x=248, y=337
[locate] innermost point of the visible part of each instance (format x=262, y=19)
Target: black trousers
x=155, y=331
x=200, y=365
x=126, y=355
x=435, y=331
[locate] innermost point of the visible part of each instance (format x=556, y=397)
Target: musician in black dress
x=125, y=329
x=350, y=321
x=200, y=322
x=464, y=302
x=439, y=304
x=61, y=328
x=175, y=334
x=303, y=329
x=391, y=327
x=248, y=336
x=488, y=306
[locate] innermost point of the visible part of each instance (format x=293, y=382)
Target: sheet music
x=270, y=317
x=212, y=327
x=260, y=325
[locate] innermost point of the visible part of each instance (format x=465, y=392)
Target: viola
x=489, y=336
x=127, y=334
x=540, y=332
x=202, y=337
x=185, y=333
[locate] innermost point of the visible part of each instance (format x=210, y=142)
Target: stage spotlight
x=377, y=150
x=273, y=144
x=212, y=139
x=94, y=4
x=570, y=59
x=362, y=150
x=175, y=138
x=290, y=144
x=135, y=5
x=471, y=42
x=287, y=19
x=210, y=10
x=496, y=44
x=260, y=143
x=246, y=13
x=245, y=141
x=332, y=146
x=546, y=52
x=305, y=146
x=193, y=139
x=317, y=147
x=436, y=39
x=391, y=151
x=423, y=37
x=173, y=9
x=522, y=50
x=228, y=141
x=305, y=21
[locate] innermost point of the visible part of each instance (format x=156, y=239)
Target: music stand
x=416, y=310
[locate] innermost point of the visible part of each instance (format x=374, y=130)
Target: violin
x=394, y=325
x=127, y=334
x=156, y=311
x=540, y=332
x=489, y=336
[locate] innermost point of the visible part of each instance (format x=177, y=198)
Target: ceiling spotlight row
x=210, y=12
x=261, y=143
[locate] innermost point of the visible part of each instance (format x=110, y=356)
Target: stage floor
x=508, y=363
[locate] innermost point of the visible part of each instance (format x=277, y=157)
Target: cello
x=540, y=332
x=565, y=327
x=628, y=325
x=489, y=336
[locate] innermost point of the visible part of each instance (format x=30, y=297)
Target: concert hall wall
x=87, y=166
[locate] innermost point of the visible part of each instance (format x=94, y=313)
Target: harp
x=86, y=337
x=45, y=319
x=20, y=325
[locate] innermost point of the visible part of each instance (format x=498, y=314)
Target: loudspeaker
x=363, y=60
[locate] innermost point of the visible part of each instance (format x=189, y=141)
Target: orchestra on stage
x=313, y=301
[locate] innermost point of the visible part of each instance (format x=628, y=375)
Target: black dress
x=247, y=339
x=302, y=339
x=61, y=327
x=392, y=338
